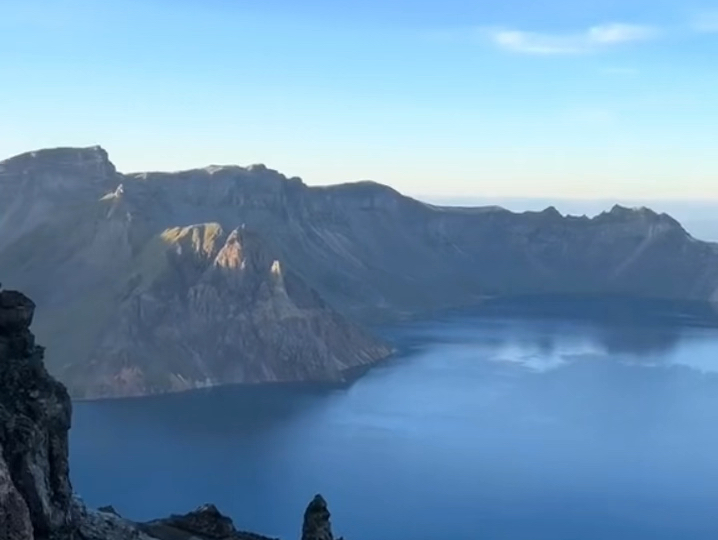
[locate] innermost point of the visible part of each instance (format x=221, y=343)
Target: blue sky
x=559, y=98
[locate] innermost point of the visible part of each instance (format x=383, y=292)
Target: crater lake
x=566, y=420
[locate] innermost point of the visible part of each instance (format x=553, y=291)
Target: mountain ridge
x=362, y=251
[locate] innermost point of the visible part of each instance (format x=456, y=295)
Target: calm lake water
x=486, y=427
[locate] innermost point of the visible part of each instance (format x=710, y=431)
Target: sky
x=561, y=98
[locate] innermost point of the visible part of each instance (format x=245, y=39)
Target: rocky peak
x=234, y=252
x=92, y=161
x=231, y=256
x=244, y=249
x=205, y=521
x=316, y=521
x=619, y=212
x=35, y=185
x=16, y=312
x=640, y=219
x=551, y=212
x=38, y=186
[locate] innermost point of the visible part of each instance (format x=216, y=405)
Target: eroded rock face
x=35, y=415
x=15, y=521
x=217, y=308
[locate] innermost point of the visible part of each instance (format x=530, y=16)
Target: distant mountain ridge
x=231, y=274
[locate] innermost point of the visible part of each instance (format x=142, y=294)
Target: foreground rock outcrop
x=36, y=498
x=204, y=522
x=317, y=525
x=159, y=282
x=35, y=413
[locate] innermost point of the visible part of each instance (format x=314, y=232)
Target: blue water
x=513, y=428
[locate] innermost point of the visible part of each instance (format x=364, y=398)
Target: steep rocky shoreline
x=36, y=497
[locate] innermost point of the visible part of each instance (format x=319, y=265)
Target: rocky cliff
x=208, y=307
x=157, y=282
x=137, y=297
x=36, y=498
x=34, y=421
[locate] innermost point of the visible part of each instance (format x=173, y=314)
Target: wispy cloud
x=706, y=22
x=592, y=39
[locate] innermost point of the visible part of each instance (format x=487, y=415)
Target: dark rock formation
x=205, y=522
x=316, y=524
x=15, y=521
x=34, y=421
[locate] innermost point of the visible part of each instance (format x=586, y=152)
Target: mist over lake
x=584, y=422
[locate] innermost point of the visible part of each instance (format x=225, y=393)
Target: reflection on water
x=489, y=426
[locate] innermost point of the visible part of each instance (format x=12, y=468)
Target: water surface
x=487, y=427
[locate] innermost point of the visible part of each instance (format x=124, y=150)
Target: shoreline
x=602, y=310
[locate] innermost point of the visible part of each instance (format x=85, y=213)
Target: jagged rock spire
x=316, y=521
